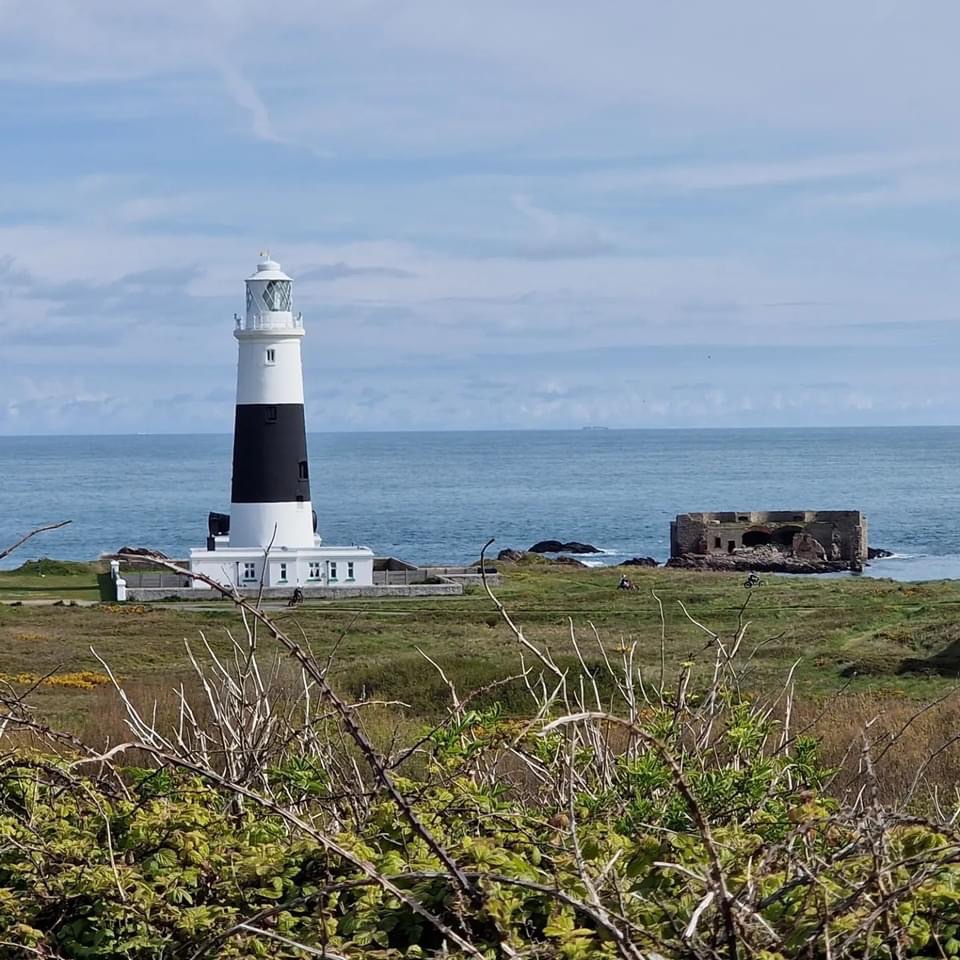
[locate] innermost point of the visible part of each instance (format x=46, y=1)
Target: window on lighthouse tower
x=276, y=295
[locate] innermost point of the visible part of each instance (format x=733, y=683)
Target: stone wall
x=842, y=534
x=145, y=594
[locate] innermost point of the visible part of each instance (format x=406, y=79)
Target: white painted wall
x=283, y=572
x=259, y=381
x=284, y=524
x=362, y=571
x=217, y=568
x=227, y=566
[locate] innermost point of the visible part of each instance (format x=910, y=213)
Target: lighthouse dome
x=268, y=269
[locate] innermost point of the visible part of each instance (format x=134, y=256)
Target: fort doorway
x=757, y=538
x=784, y=536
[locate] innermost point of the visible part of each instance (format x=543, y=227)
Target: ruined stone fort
x=815, y=536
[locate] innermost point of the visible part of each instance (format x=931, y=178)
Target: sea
x=438, y=497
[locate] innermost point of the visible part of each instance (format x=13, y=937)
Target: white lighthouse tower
x=270, y=535
x=271, y=477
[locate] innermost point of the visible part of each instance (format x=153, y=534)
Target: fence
x=393, y=578
x=156, y=579
x=422, y=574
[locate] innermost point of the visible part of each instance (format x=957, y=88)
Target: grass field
x=53, y=580
x=858, y=634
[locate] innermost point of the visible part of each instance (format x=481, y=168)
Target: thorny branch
x=50, y=526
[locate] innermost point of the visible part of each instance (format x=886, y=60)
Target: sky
x=507, y=215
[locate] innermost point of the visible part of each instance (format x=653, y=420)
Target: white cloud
x=424, y=71
x=726, y=176
x=246, y=96
x=558, y=237
x=145, y=209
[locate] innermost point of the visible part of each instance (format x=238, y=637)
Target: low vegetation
x=691, y=770
x=53, y=580
x=862, y=636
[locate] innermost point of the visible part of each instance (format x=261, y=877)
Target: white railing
x=261, y=321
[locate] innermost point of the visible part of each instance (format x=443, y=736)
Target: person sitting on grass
x=624, y=583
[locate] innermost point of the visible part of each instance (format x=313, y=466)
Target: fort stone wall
x=837, y=535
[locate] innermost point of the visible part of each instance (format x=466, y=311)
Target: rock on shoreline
x=755, y=561
x=137, y=552
x=528, y=557
x=558, y=546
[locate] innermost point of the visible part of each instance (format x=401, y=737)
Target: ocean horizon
x=437, y=496
x=586, y=428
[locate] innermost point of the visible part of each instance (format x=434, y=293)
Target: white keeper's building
x=270, y=535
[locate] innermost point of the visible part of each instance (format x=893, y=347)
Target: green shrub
x=170, y=863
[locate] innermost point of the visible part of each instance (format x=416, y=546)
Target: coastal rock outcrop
x=640, y=562
x=878, y=553
x=758, y=560
x=141, y=552
x=529, y=557
x=559, y=546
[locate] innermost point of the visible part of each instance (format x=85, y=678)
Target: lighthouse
x=270, y=499
x=269, y=539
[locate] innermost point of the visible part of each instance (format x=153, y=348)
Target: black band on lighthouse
x=270, y=454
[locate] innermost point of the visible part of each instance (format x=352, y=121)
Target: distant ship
x=594, y=428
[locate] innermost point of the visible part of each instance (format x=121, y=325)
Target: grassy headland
x=47, y=579
x=862, y=635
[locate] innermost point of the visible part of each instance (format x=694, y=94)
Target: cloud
x=328, y=272
x=159, y=291
x=562, y=248
x=145, y=209
x=640, y=74
x=606, y=216
x=245, y=95
x=693, y=177
x=12, y=277
x=555, y=236
x=54, y=404
x=925, y=185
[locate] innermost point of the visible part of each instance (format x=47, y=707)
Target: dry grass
x=159, y=697
x=920, y=740
x=924, y=740
x=913, y=743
